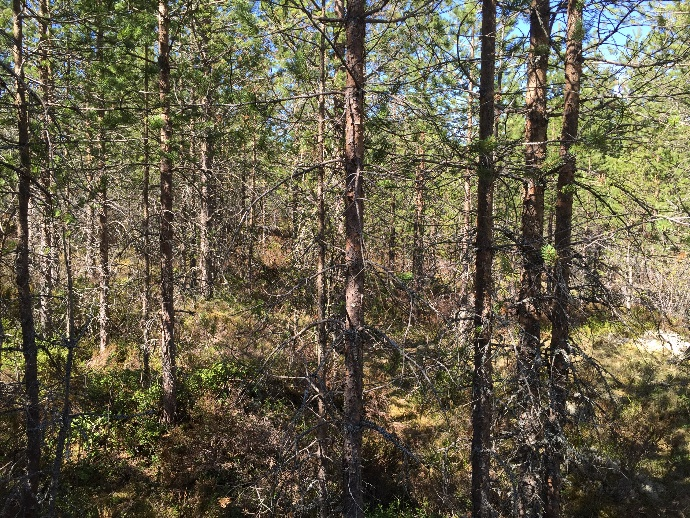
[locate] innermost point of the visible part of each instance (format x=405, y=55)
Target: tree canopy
x=385, y=258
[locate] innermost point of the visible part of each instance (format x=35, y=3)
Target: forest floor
x=245, y=444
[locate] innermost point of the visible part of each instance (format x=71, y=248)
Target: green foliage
x=400, y=509
x=245, y=77
x=484, y=147
x=406, y=277
x=549, y=254
x=569, y=189
x=217, y=378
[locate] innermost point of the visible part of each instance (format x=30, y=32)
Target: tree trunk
x=353, y=407
x=65, y=417
x=166, y=223
x=321, y=288
x=392, y=235
x=23, y=278
x=530, y=432
x=482, y=382
x=90, y=260
x=560, y=337
x=145, y=309
x=102, y=235
x=103, y=241
x=251, y=218
x=206, y=214
x=464, y=247
x=49, y=261
x=206, y=227
x=627, y=281
x=418, y=227
x=339, y=45
x=465, y=256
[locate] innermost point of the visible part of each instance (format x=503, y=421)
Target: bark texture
x=206, y=217
x=146, y=296
x=206, y=255
x=560, y=337
x=103, y=243
x=166, y=223
x=355, y=27
x=482, y=383
x=102, y=190
x=392, y=234
x=321, y=287
x=49, y=255
x=530, y=428
x=23, y=277
x=418, y=227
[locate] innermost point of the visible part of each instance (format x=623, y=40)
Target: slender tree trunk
x=464, y=246
x=392, y=234
x=418, y=227
x=102, y=234
x=49, y=261
x=548, y=268
x=166, y=222
x=90, y=261
x=628, y=284
x=65, y=417
x=104, y=288
x=530, y=434
x=103, y=241
x=340, y=74
x=466, y=255
x=294, y=203
x=207, y=196
x=251, y=220
x=146, y=297
x=321, y=288
x=482, y=382
x=560, y=334
x=2, y=338
x=498, y=96
x=206, y=217
x=353, y=407
x=23, y=277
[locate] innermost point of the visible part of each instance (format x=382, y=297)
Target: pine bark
x=530, y=433
x=166, y=222
x=464, y=255
x=206, y=214
x=206, y=217
x=339, y=45
x=49, y=256
x=464, y=247
x=392, y=234
x=321, y=287
x=146, y=296
x=103, y=241
x=353, y=407
x=418, y=227
x=206, y=255
x=251, y=218
x=560, y=337
x=482, y=383
x=23, y=276
x=102, y=233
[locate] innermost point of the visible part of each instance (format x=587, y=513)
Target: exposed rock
x=666, y=342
